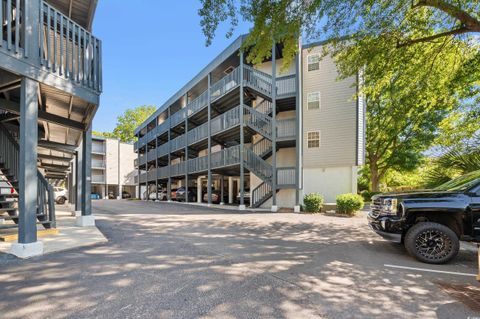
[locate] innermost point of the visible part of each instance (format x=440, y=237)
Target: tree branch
x=471, y=23
x=460, y=30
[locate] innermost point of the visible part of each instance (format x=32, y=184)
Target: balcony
x=286, y=177
x=61, y=47
x=98, y=179
x=257, y=80
x=98, y=148
x=98, y=164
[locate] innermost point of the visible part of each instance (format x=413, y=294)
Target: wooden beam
x=58, y=146
x=55, y=158
x=45, y=116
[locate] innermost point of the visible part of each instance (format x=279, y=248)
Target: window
x=313, y=100
x=313, y=139
x=313, y=62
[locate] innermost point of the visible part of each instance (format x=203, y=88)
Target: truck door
x=475, y=208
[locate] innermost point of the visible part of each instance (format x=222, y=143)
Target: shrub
x=313, y=203
x=349, y=203
x=367, y=195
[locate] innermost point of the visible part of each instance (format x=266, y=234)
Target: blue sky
x=151, y=49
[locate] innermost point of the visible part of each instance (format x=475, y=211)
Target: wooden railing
x=286, y=129
x=226, y=120
x=68, y=50
x=286, y=86
x=286, y=176
x=225, y=85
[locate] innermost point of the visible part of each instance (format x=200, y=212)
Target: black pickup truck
x=430, y=223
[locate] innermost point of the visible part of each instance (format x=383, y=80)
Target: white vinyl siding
x=313, y=139
x=313, y=101
x=336, y=119
x=313, y=62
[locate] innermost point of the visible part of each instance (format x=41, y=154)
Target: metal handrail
x=10, y=154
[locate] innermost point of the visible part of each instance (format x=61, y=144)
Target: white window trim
x=319, y=101
x=319, y=139
x=308, y=61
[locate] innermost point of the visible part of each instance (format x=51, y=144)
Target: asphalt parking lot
x=177, y=261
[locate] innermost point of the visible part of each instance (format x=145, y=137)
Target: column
x=186, y=150
x=298, y=140
x=274, y=130
x=86, y=219
x=242, y=139
x=209, y=177
x=138, y=161
x=199, y=190
x=221, y=190
x=27, y=245
x=230, y=190
x=156, y=166
x=169, y=183
x=78, y=161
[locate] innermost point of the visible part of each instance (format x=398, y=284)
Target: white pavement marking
x=431, y=270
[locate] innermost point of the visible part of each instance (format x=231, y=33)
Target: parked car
x=246, y=197
x=60, y=195
x=430, y=223
x=95, y=196
x=126, y=195
x=111, y=195
x=216, y=196
x=173, y=194
x=162, y=195
x=192, y=194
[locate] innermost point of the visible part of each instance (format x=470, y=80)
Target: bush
x=349, y=203
x=367, y=195
x=313, y=203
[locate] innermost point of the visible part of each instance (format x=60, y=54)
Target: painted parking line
x=431, y=270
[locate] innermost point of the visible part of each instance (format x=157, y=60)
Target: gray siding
x=336, y=119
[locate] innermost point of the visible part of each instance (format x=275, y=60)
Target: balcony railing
x=286, y=129
x=256, y=79
x=98, y=148
x=225, y=85
x=98, y=163
x=69, y=50
x=286, y=176
x=98, y=178
x=64, y=47
x=226, y=120
x=197, y=134
x=286, y=86
x=152, y=155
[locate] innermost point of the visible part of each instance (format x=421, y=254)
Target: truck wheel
x=432, y=243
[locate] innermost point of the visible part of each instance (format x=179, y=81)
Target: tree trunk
x=375, y=179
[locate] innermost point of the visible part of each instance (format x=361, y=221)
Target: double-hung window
x=313, y=139
x=313, y=101
x=313, y=62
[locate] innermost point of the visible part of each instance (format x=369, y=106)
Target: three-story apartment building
x=50, y=83
x=113, y=172
x=255, y=134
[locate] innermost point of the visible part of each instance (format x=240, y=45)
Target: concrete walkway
x=69, y=236
x=178, y=261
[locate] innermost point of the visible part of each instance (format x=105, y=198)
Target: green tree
x=419, y=60
x=102, y=134
x=128, y=122
x=406, y=21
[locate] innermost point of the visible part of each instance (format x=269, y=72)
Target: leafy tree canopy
x=128, y=122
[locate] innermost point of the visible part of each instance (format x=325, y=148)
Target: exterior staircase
x=9, y=173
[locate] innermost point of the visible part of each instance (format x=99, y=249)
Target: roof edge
x=234, y=46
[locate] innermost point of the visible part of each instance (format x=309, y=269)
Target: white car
x=60, y=195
